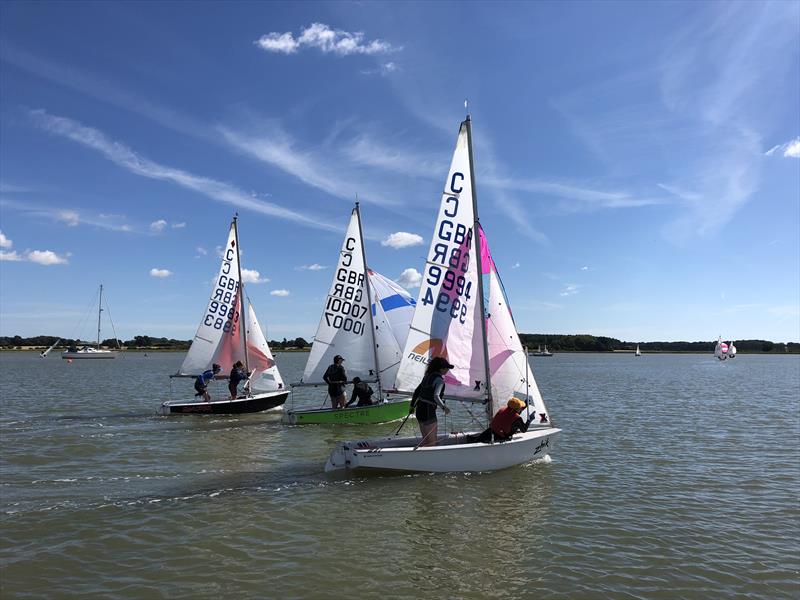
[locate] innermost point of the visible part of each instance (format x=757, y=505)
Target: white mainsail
x=721, y=349
x=731, y=350
x=219, y=329
x=46, y=352
x=345, y=326
x=447, y=316
x=392, y=311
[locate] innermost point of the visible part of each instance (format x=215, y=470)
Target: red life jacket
x=503, y=420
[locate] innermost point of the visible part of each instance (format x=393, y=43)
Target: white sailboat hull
x=450, y=454
x=91, y=353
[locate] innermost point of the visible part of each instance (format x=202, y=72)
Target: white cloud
x=571, y=289
x=126, y=158
x=314, y=267
x=70, y=217
x=402, y=239
x=45, y=257
x=327, y=40
x=201, y=251
x=252, y=276
x=10, y=256
x=160, y=273
x=180, y=225
x=584, y=268
x=790, y=149
x=515, y=265
x=158, y=225
x=410, y=279
x=281, y=293
x=4, y=241
x=383, y=70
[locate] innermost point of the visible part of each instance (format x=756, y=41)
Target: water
x=676, y=476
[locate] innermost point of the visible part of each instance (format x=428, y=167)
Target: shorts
x=199, y=388
x=425, y=413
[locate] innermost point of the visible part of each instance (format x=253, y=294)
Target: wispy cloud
x=158, y=226
x=515, y=265
x=201, y=251
x=570, y=289
x=252, y=276
x=314, y=267
x=160, y=273
x=383, y=70
x=180, y=225
x=69, y=217
x=325, y=39
x=402, y=239
x=410, y=278
x=279, y=293
x=789, y=149
x=126, y=158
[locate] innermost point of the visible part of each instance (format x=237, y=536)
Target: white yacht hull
x=450, y=454
x=92, y=354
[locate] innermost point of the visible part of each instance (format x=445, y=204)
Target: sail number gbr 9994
x=222, y=310
x=346, y=308
x=446, y=278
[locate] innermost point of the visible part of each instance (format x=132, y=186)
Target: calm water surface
x=676, y=476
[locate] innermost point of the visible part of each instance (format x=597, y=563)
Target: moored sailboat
x=365, y=319
x=462, y=314
x=96, y=351
x=227, y=334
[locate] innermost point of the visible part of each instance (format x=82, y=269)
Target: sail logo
x=432, y=347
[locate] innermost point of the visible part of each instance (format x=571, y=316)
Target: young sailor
x=201, y=383
x=505, y=423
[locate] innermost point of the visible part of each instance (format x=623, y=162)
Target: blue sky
x=637, y=164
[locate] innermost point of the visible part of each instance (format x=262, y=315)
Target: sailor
x=201, y=383
x=336, y=377
x=361, y=392
x=428, y=397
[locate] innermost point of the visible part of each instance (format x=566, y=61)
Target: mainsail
x=219, y=332
x=345, y=326
x=447, y=316
x=264, y=373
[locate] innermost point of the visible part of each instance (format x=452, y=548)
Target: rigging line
x=110, y=320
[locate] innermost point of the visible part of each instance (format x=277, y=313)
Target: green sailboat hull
x=377, y=413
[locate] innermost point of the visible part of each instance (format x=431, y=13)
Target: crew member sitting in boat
x=361, y=392
x=235, y=378
x=201, y=383
x=505, y=424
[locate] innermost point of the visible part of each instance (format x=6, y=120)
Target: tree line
x=591, y=343
x=554, y=342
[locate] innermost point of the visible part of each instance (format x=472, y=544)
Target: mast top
x=466, y=107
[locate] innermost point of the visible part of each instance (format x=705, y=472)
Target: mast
x=477, y=241
x=99, y=312
x=369, y=302
x=242, y=313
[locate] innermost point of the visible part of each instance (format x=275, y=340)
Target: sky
x=637, y=165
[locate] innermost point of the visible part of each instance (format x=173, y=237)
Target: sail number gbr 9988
x=221, y=312
x=345, y=308
x=449, y=263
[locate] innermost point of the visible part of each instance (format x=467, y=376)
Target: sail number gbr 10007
x=222, y=310
x=449, y=263
x=345, y=308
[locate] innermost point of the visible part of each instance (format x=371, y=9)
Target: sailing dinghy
x=721, y=349
x=224, y=337
x=365, y=319
x=638, y=352
x=462, y=315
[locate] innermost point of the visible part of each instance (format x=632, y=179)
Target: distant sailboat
x=721, y=349
x=638, y=352
x=731, y=350
x=89, y=351
x=540, y=352
x=46, y=352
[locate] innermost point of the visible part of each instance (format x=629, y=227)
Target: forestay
x=218, y=337
x=344, y=327
x=447, y=316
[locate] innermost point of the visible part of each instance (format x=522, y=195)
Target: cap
x=516, y=404
x=439, y=362
x=338, y=357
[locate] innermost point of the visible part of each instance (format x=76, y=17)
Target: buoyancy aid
x=503, y=421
